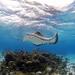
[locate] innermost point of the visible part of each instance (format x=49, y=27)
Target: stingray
x=38, y=39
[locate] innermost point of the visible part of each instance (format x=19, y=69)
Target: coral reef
x=32, y=63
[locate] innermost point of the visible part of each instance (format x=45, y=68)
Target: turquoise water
x=11, y=38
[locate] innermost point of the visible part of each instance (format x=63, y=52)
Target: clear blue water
x=11, y=37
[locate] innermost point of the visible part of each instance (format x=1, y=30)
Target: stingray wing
x=35, y=40
x=38, y=40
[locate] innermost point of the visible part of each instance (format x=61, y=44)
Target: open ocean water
x=12, y=39
x=11, y=36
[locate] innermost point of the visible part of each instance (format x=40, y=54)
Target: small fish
x=38, y=39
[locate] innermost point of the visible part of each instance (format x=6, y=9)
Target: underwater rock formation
x=31, y=63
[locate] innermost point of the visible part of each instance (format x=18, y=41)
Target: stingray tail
x=54, y=39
